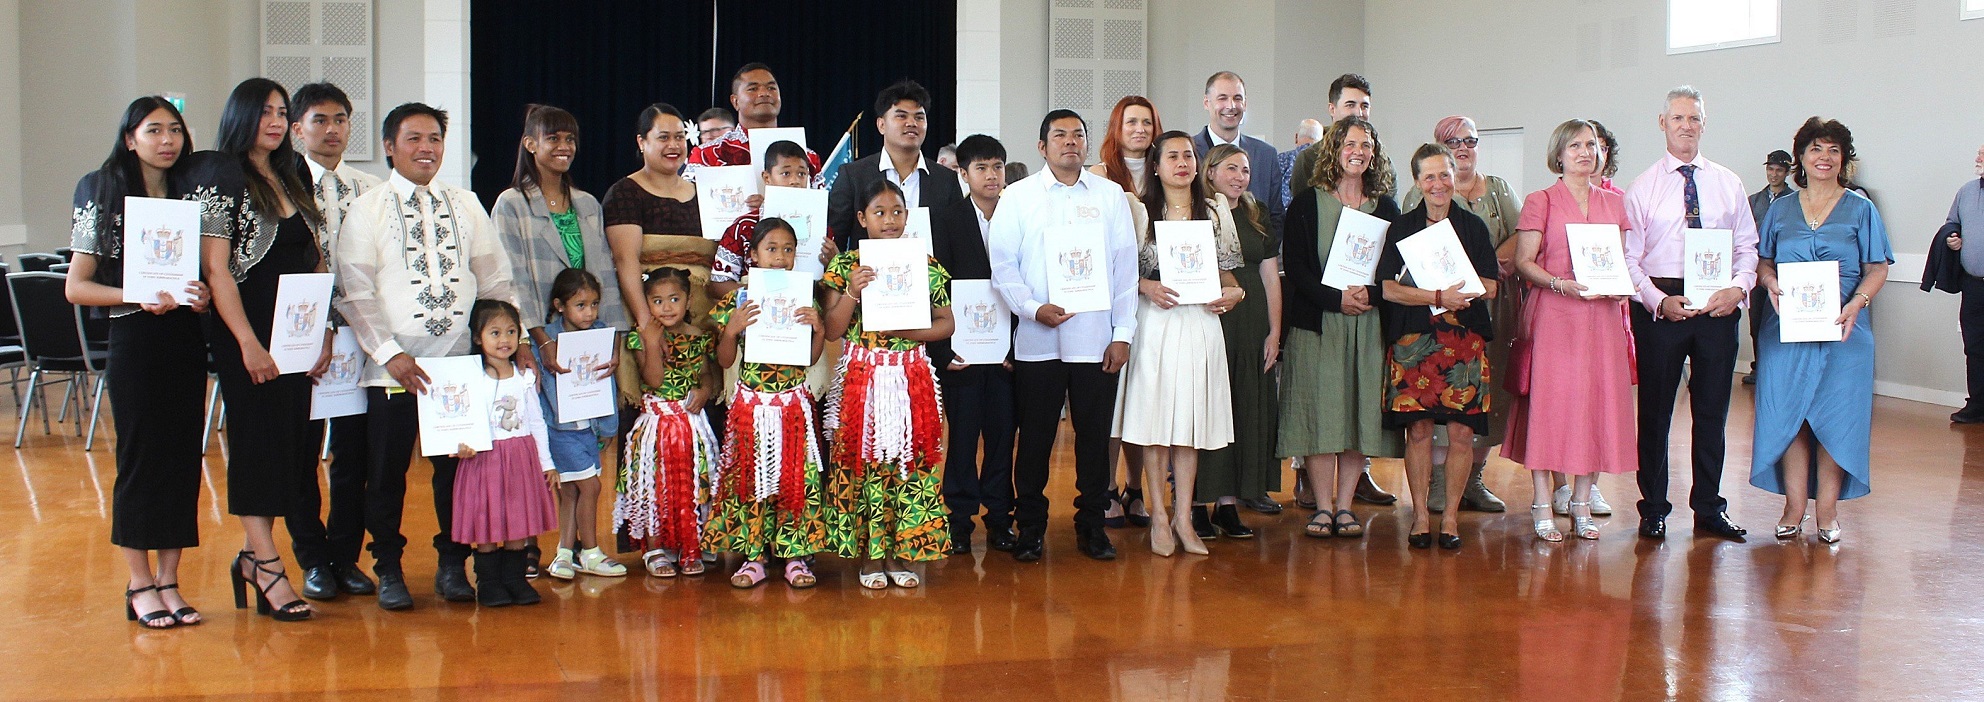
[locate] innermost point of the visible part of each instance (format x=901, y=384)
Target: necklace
x=1822, y=206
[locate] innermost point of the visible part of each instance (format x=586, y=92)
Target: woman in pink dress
x=1574, y=407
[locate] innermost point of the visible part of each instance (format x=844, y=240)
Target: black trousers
x=1971, y=318
x=979, y=401
x=1041, y=387
x=392, y=424
x=336, y=543
x=1705, y=348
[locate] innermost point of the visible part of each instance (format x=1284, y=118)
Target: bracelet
x=1869, y=304
x=1553, y=285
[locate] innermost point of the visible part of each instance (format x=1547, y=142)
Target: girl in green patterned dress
x=768, y=503
x=670, y=460
x=883, y=487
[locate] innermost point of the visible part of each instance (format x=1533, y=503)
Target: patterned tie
x=1691, y=197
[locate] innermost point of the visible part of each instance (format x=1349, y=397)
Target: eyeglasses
x=1469, y=142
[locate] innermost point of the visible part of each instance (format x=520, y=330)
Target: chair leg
x=68, y=393
x=20, y=430
x=207, y=427
x=46, y=429
x=79, y=388
x=96, y=410
x=14, y=385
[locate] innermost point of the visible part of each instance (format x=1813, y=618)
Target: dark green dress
x=1247, y=467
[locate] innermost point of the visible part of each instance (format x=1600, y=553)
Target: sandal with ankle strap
x=1584, y=526
x=186, y=615
x=658, y=564
x=1546, y=525
x=292, y=611
x=147, y=619
x=1349, y=530
x=1319, y=528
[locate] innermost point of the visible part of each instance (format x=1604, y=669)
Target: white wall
x=13, y=230
x=1900, y=78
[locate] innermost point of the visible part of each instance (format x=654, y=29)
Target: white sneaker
x=561, y=565
x=593, y=561
x=1599, y=507
x=1560, y=501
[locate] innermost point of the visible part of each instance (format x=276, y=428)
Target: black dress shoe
x=1226, y=518
x=1000, y=538
x=1966, y=416
x=1202, y=523
x=320, y=583
x=1369, y=493
x=1095, y=544
x=1263, y=505
x=1029, y=545
x=960, y=543
x=352, y=580
x=1653, y=527
x=1718, y=524
x=392, y=592
x=451, y=581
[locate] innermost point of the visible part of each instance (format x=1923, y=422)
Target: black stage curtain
x=606, y=61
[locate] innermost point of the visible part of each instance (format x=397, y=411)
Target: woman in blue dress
x=1815, y=400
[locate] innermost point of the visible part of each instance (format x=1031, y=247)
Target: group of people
x=887, y=446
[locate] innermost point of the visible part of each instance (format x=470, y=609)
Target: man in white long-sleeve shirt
x=412, y=258
x=1061, y=357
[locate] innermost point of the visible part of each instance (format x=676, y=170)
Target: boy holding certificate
x=978, y=392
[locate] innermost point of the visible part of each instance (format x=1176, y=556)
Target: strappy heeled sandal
x=187, y=616
x=292, y=611
x=147, y=619
x=748, y=575
x=1134, y=511
x=1546, y=524
x=1584, y=526
x=799, y=575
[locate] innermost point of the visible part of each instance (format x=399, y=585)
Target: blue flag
x=843, y=153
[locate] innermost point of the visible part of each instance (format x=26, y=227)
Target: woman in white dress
x=1175, y=398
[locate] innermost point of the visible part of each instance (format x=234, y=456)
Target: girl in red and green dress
x=884, y=501
x=768, y=504
x=670, y=462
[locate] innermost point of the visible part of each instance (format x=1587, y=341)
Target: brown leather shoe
x=1368, y=492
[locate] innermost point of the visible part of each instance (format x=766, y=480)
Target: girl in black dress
x=157, y=371
x=261, y=224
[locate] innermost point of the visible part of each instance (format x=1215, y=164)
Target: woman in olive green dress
x=1333, y=394
x=1247, y=467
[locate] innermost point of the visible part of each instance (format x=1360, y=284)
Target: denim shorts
x=575, y=453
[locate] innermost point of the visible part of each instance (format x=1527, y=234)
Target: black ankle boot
x=1202, y=524
x=1227, y=519
x=489, y=591
x=515, y=582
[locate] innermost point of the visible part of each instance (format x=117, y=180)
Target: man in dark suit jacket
x=1226, y=109
x=902, y=118
x=978, y=398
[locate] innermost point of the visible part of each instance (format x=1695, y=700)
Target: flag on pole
x=842, y=154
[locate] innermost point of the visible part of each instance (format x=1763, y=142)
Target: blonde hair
x=1219, y=154
x=1560, y=138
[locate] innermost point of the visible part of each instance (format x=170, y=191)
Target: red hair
x=1112, y=145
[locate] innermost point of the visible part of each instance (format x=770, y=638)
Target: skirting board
x=1946, y=398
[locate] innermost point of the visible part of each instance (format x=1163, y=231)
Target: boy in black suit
x=977, y=397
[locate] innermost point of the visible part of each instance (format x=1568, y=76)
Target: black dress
x=157, y=380
x=271, y=451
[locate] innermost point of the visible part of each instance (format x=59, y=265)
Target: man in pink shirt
x=1680, y=192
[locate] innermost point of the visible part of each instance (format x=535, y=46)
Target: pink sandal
x=798, y=575
x=748, y=575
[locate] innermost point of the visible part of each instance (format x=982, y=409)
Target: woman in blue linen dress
x=1815, y=400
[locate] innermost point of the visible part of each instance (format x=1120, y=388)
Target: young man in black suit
x=902, y=116
x=978, y=398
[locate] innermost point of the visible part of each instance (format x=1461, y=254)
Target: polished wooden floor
x=1893, y=612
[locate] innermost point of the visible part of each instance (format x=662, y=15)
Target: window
x=1706, y=25
x=1971, y=9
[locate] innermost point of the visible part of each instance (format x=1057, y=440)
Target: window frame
x=1776, y=35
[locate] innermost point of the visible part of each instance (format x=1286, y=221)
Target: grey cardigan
x=537, y=253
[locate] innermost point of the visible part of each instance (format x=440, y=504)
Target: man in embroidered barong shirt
x=412, y=258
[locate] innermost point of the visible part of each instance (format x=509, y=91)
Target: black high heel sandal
x=182, y=613
x=1133, y=501
x=292, y=611
x=131, y=611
